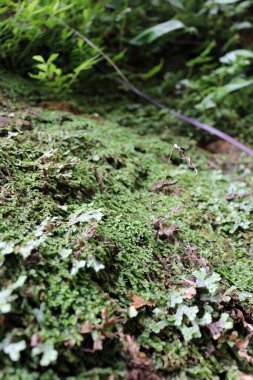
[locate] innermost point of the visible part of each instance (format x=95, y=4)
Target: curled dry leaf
x=165, y=232
x=131, y=346
x=192, y=253
x=107, y=321
x=169, y=231
x=90, y=230
x=238, y=316
x=99, y=179
x=242, y=344
x=188, y=160
x=97, y=340
x=140, y=366
x=110, y=322
x=138, y=301
x=160, y=186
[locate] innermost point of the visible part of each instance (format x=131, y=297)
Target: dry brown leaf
x=60, y=106
x=4, y=121
x=169, y=231
x=97, y=344
x=34, y=340
x=140, y=366
x=70, y=342
x=25, y=124
x=216, y=328
x=91, y=230
x=104, y=313
x=138, y=301
x=233, y=336
x=132, y=347
x=242, y=344
x=193, y=255
x=248, y=326
x=190, y=292
x=221, y=146
x=165, y=232
x=86, y=328
x=99, y=179
x=244, y=376
x=110, y=322
x=237, y=315
x=142, y=374
x=161, y=186
x=232, y=196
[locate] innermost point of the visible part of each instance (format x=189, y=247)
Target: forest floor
x=118, y=259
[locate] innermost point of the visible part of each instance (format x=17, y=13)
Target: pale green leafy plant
x=82, y=216
x=47, y=352
x=204, y=280
x=52, y=76
x=12, y=349
x=159, y=30
x=221, y=82
x=189, y=317
x=7, y=296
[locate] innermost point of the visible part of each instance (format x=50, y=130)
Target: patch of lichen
x=63, y=162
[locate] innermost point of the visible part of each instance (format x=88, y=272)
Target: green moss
x=66, y=162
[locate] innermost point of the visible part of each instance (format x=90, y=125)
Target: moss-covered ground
x=108, y=274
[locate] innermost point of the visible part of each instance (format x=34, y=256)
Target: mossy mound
x=106, y=272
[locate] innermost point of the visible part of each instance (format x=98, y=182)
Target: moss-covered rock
x=102, y=276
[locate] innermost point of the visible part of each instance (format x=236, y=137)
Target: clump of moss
x=80, y=226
